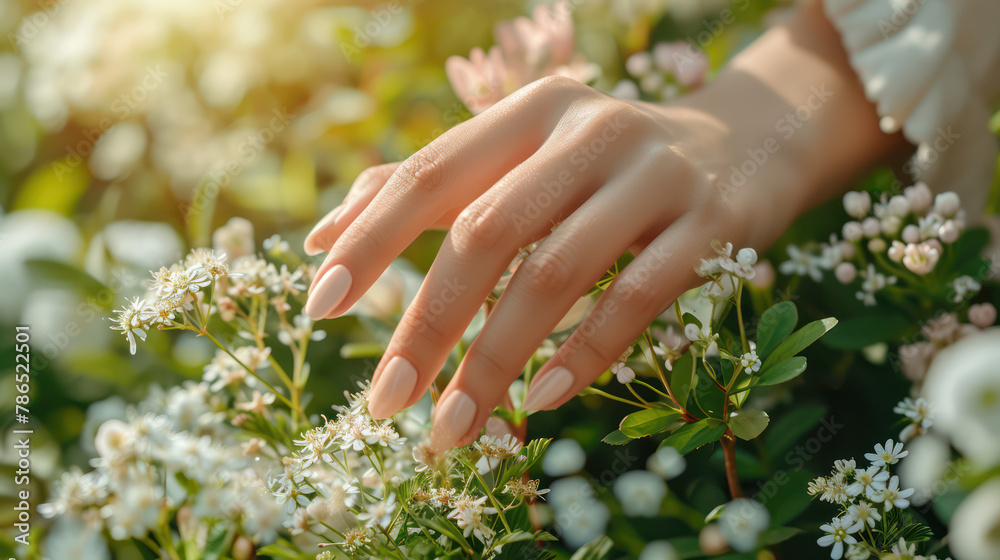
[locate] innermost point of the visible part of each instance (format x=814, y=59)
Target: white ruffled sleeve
x=931, y=67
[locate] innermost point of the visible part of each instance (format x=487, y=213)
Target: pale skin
x=661, y=187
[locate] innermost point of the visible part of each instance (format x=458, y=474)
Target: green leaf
x=594, y=550
x=648, y=422
x=146, y=552
x=786, y=496
x=692, y=436
x=781, y=372
x=855, y=334
x=689, y=318
x=616, y=438
x=217, y=541
x=776, y=323
x=778, y=535
x=748, y=423
x=683, y=378
x=790, y=427
x=799, y=341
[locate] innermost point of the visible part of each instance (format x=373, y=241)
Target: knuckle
x=425, y=170
x=636, y=291
x=545, y=273
x=477, y=229
x=425, y=326
x=549, y=89
x=487, y=362
x=593, y=350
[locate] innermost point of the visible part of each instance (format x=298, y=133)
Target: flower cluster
x=357, y=479
x=939, y=333
x=526, y=50
x=872, y=519
x=175, y=451
x=663, y=73
x=896, y=239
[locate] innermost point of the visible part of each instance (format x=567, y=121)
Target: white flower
x=872, y=283
x=692, y=332
x=929, y=226
x=836, y=489
x=964, y=285
x=640, y=493
x=275, y=244
x=852, y=231
x=741, y=523
x=904, y=552
x=669, y=345
x=666, y=462
x=889, y=454
x=659, y=550
x=802, y=264
x=917, y=410
x=468, y=514
x=921, y=258
x=868, y=481
x=891, y=495
x=857, y=204
x=897, y=251
x=743, y=266
x=838, y=531
x=379, y=513
x=750, y=361
x=911, y=234
x=898, y=206
x=858, y=552
x=258, y=403
x=564, y=456
x=949, y=232
x=919, y=196
x=964, y=389
x=845, y=273
x=947, y=204
x=863, y=512
x=974, y=524
x=384, y=435
x=133, y=320
x=871, y=227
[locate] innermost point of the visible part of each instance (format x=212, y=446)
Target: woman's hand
x=598, y=177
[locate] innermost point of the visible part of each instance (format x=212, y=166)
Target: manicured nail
x=312, y=246
x=550, y=388
x=453, y=419
x=393, y=389
x=329, y=292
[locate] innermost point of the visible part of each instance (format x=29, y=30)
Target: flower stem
x=729, y=452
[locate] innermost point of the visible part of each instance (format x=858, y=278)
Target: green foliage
x=776, y=323
x=689, y=437
x=648, y=422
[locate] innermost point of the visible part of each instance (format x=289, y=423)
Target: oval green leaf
x=748, y=423
x=692, y=436
x=783, y=371
x=648, y=422
x=799, y=341
x=776, y=323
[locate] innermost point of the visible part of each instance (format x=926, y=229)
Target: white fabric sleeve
x=931, y=67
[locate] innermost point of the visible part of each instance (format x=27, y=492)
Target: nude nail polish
x=393, y=389
x=452, y=421
x=329, y=292
x=548, y=389
x=311, y=246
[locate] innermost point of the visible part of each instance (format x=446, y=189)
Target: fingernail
x=312, y=246
x=393, y=389
x=548, y=389
x=329, y=292
x=453, y=419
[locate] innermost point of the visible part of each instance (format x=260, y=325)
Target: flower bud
x=982, y=315
x=899, y=206
x=639, y=64
x=947, y=204
x=747, y=256
x=243, y=549
x=911, y=234
x=871, y=227
x=948, y=232
x=711, y=541
x=919, y=196
x=896, y=251
x=857, y=204
x=876, y=245
x=847, y=250
x=692, y=332
x=845, y=273
x=891, y=224
x=852, y=231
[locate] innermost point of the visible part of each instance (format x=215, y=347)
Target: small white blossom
x=839, y=532
x=889, y=454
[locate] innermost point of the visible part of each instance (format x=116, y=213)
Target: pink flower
x=920, y=258
x=982, y=315
x=688, y=64
x=915, y=359
x=526, y=50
